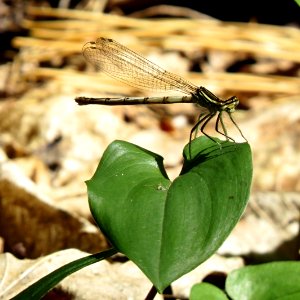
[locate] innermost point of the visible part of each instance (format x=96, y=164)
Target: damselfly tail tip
x=81, y=101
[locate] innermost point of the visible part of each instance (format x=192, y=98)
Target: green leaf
x=37, y=290
x=276, y=280
x=168, y=228
x=205, y=290
x=298, y=2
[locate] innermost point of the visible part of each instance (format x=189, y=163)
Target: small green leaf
x=205, y=290
x=298, y=2
x=40, y=288
x=168, y=228
x=276, y=280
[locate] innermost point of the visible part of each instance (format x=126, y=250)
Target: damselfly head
x=230, y=104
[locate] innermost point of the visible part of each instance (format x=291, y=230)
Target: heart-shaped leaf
x=168, y=228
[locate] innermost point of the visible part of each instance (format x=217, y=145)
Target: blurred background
x=49, y=145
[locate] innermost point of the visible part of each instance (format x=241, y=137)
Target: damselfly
x=125, y=65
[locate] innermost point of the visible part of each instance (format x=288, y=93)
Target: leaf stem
x=152, y=293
